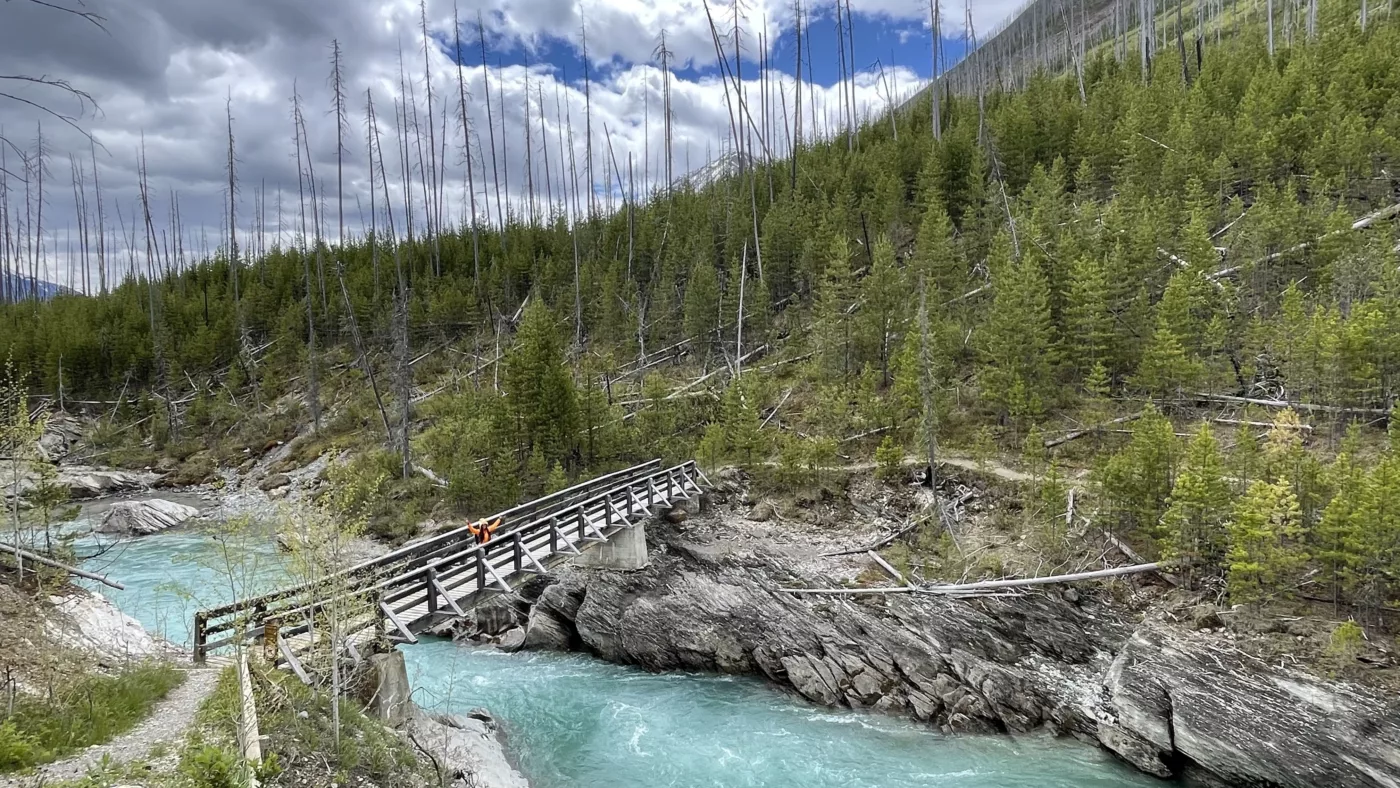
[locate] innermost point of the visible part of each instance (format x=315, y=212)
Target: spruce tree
x=1266, y=551
x=1194, y=524
x=1018, y=342
x=540, y=391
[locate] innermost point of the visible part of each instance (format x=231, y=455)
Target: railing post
x=380, y=634
x=608, y=511
x=200, y=653
x=430, y=582
x=670, y=485
x=553, y=536
x=581, y=522
x=518, y=548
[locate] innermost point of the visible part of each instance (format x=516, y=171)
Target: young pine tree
x=1136, y=482
x=1194, y=524
x=540, y=391
x=1019, y=339
x=1266, y=551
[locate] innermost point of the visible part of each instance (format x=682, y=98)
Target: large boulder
x=83, y=482
x=1181, y=699
x=88, y=622
x=275, y=481
x=546, y=631
x=140, y=518
x=467, y=748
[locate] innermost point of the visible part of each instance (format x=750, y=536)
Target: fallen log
x=1133, y=555
x=889, y=570
x=1279, y=403
x=1264, y=424
x=990, y=585
x=8, y=549
x=1050, y=444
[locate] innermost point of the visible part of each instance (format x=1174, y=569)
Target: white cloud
x=166, y=69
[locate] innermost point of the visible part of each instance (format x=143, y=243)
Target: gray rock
x=390, y=691
x=468, y=748
x=563, y=600
x=83, y=482
x=139, y=518
x=1184, y=701
x=928, y=657
x=496, y=616
x=274, y=482
x=545, y=631
x=512, y=640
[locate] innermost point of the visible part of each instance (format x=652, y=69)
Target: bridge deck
x=405, y=593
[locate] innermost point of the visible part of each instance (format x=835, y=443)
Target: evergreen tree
x=1136, y=482
x=539, y=390
x=1266, y=552
x=1194, y=524
x=1019, y=341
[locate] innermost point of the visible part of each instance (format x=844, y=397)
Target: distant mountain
x=17, y=287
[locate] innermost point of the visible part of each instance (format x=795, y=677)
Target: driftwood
x=1279, y=403
x=8, y=549
x=1050, y=444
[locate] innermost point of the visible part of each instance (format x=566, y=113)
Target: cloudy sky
x=166, y=70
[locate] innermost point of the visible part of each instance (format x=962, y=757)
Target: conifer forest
x=1154, y=268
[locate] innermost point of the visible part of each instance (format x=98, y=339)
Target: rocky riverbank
x=1168, y=699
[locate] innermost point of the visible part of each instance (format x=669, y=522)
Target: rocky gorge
x=1169, y=699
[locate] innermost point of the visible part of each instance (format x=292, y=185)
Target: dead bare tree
x=313, y=393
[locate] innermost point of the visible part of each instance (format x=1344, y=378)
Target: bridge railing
x=405, y=572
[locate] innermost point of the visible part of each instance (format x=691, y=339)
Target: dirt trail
x=167, y=724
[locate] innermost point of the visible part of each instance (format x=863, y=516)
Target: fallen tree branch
x=1050, y=444
x=8, y=549
x=988, y=585
x=1279, y=403
x=1359, y=224
x=1264, y=424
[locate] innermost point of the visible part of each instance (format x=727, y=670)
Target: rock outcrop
x=87, y=621
x=963, y=666
x=141, y=518
x=84, y=482
x=467, y=748
x=1168, y=700
x=1181, y=702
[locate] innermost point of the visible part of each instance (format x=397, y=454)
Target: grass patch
x=94, y=710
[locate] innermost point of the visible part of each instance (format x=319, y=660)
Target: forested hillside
x=1129, y=256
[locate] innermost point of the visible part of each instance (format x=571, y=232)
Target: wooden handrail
x=408, y=569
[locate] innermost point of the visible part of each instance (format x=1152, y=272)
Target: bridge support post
x=626, y=550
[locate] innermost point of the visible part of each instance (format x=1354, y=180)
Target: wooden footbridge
x=403, y=594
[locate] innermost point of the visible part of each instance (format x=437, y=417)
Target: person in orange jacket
x=482, y=531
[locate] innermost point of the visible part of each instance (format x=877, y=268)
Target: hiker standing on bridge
x=482, y=531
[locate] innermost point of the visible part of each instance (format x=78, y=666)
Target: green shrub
x=92, y=711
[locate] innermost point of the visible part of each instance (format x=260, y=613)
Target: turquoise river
x=576, y=722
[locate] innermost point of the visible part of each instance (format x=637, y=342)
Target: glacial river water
x=576, y=722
